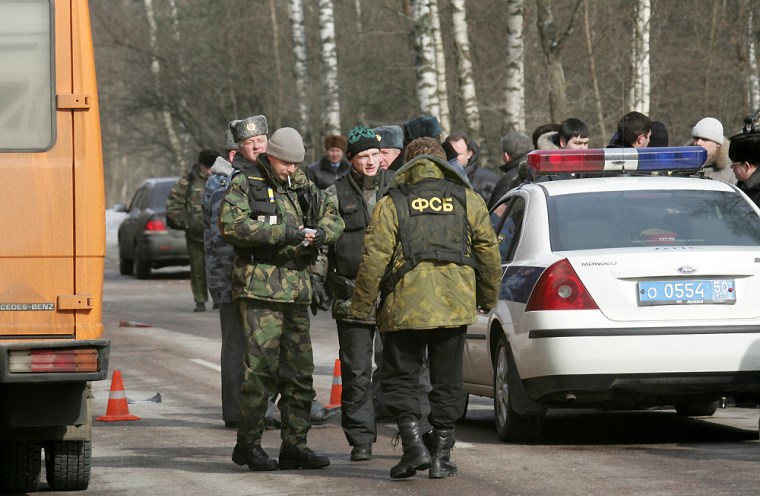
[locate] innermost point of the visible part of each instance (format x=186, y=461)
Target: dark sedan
x=145, y=241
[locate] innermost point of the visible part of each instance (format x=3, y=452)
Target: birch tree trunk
x=427, y=82
x=295, y=13
x=464, y=69
x=552, y=45
x=753, y=83
x=182, y=70
x=331, y=114
x=440, y=64
x=175, y=146
x=640, y=74
x=592, y=68
x=514, y=112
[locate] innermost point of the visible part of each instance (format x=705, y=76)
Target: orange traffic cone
x=117, y=409
x=337, y=386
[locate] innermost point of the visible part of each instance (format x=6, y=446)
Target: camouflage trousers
x=278, y=360
x=197, y=270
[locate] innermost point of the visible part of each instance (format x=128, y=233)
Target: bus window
x=26, y=81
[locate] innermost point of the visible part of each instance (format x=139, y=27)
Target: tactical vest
x=432, y=226
x=346, y=252
x=264, y=209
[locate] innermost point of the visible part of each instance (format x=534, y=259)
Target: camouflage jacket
x=256, y=279
x=219, y=253
x=184, y=204
x=434, y=293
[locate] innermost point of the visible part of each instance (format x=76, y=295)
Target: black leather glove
x=293, y=236
x=319, y=238
x=319, y=298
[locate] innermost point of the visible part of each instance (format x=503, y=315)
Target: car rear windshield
x=158, y=195
x=620, y=219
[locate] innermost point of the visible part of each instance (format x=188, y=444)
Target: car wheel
x=510, y=426
x=466, y=405
x=126, y=266
x=696, y=409
x=142, y=269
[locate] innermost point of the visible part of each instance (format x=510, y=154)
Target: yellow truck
x=52, y=244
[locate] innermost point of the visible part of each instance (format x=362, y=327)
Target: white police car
x=622, y=292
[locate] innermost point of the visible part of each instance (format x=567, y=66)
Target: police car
x=627, y=290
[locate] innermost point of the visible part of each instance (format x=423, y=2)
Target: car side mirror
x=119, y=207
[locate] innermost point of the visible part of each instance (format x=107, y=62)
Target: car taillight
x=155, y=225
x=559, y=288
x=53, y=360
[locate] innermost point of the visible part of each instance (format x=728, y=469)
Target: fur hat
x=422, y=126
x=207, y=157
x=335, y=141
x=286, y=144
x=229, y=141
x=390, y=136
x=361, y=138
x=250, y=126
x=708, y=128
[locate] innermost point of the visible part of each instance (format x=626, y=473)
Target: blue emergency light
x=673, y=158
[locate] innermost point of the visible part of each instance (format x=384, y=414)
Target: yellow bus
x=52, y=244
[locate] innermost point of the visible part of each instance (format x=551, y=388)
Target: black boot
x=253, y=456
x=441, y=441
x=292, y=457
x=416, y=456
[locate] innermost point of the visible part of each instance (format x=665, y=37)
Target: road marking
x=207, y=364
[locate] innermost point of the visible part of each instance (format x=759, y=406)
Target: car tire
x=696, y=408
x=126, y=266
x=67, y=465
x=510, y=426
x=142, y=269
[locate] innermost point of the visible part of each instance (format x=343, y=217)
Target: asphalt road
x=180, y=445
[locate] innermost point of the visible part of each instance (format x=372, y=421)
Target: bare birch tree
x=331, y=113
x=295, y=13
x=640, y=72
x=155, y=68
x=552, y=44
x=464, y=69
x=753, y=84
x=592, y=68
x=424, y=49
x=440, y=65
x=514, y=111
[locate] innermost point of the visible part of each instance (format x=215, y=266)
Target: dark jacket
x=511, y=179
x=752, y=186
x=482, y=180
x=324, y=175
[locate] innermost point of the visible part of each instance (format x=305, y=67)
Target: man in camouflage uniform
x=184, y=211
x=430, y=253
x=263, y=216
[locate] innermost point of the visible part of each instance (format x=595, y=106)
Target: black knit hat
x=361, y=138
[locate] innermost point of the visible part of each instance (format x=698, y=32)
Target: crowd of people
x=390, y=232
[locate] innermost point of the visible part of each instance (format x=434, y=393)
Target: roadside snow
x=113, y=220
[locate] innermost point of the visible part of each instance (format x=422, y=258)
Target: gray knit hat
x=287, y=145
x=250, y=126
x=390, y=136
x=229, y=141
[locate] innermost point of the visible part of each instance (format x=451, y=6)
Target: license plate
x=687, y=292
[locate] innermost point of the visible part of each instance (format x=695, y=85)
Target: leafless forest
x=172, y=73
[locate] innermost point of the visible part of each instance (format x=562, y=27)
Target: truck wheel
x=67, y=465
x=19, y=466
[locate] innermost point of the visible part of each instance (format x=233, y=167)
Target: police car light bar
x=674, y=158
